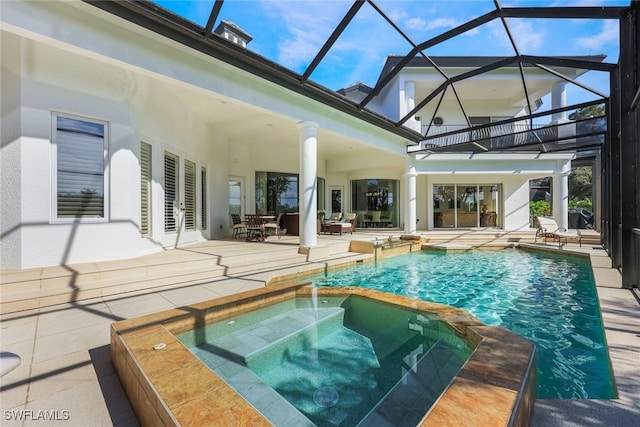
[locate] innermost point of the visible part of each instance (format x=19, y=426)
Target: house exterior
x=482, y=189
x=119, y=142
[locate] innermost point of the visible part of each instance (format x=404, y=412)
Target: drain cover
x=326, y=397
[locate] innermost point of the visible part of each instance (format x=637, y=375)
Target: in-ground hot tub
x=334, y=361
x=296, y=355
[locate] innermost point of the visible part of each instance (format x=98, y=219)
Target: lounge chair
x=548, y=229
x=346, y=225
x=239, y=227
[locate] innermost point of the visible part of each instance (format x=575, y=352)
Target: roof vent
x=230, y=31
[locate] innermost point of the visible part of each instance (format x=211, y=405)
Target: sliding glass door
x=466, y=205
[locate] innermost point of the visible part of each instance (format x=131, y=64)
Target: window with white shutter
x=171, y=199
x=189, y=195
x=203, y=198
x=80, y=150
x=145, y=189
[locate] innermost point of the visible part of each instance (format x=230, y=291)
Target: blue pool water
x=547, y=298
x=333, y=361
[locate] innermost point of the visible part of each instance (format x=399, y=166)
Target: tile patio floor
x=66, y=371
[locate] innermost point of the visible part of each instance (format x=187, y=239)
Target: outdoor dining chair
x=275, y=226
x=239, y=227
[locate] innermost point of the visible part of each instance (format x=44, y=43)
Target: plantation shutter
x=80, y=157
x=170, y=191
x=203, y=198
x=189, y=195
x=145, y=188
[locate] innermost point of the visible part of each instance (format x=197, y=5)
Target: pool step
x=196, y=264
x=268, y=340
x=419, y=388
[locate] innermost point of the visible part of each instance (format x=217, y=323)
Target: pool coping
x=170, y=386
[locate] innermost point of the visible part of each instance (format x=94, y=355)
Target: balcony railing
x=501, y=136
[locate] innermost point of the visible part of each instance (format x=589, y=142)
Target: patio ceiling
x=316, y=78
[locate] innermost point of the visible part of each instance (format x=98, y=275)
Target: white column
x=559, y=100
x=410, y=212
x=308, y=134
x=561, y=198
x=410, y=103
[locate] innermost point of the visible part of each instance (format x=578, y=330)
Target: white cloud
x=397, y=15
x=296, y=52
x=442, y=23
x=310, y=23
x=421, y=24
x=415, y=23
x=526, y=38
x=608, y=34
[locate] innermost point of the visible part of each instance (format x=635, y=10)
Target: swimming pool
x=547, y=298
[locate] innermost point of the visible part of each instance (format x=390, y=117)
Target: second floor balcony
x=521, y=135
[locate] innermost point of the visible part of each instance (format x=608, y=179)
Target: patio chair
x=275, y=226
x=346, y=225
x=375, y=218
x=255, y=227
x=548, y=229
x=239, y=227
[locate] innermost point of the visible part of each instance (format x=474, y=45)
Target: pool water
x=338, y=361
x=547, y=298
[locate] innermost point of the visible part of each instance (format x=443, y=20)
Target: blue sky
x=291, y=32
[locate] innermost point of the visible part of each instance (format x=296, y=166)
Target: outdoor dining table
x=255, y=226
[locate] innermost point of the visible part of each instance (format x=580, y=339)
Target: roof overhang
x=176, y=28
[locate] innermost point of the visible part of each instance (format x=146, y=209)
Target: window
x=235, y=197
x=189, y=195
x=171, y=207
x=276, y=192
x=336, y=199
x=145, y=189
x=80, y=150
x=203, y=198
x=376, y=202
x=320, y=201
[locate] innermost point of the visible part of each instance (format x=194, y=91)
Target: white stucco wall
x=165, y=124
x=135, y=111
x=512, y=172
x=10, y=159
